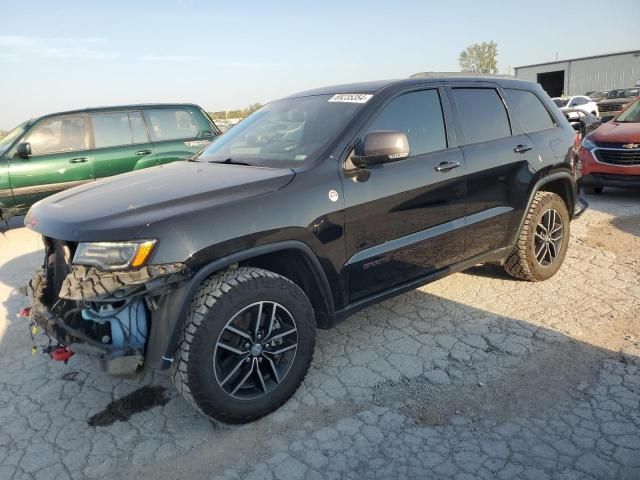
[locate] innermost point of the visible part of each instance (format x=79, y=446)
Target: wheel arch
x=284, y=258
x=560, y=182
x=562, y=185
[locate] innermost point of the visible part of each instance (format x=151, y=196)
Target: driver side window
x=419, y=116
x=58, y=135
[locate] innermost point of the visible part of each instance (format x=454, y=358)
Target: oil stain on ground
x=122, y=409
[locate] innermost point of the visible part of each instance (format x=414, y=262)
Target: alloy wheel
x=548, y=237
x=255, y=350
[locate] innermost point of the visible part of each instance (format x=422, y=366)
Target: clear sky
x=225, y=55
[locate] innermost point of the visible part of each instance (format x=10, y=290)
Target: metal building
x=580, y=75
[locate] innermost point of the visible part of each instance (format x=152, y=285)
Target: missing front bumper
x=104, y=315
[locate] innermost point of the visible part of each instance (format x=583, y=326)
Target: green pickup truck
x=61, y=150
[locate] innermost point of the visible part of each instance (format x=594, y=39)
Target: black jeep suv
x=315, y=206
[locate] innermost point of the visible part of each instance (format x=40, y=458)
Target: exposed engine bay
x=103, y=314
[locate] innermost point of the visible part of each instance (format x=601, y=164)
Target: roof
x=636, y=52
x=136, y=106
x=458, y=75
x=360, y=87
x=418, y=78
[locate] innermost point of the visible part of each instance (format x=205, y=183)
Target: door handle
x=522, y=148
x=446, y=166
x=78, y=160
x=143, y=152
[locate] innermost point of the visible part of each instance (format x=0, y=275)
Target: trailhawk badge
x=333, y=195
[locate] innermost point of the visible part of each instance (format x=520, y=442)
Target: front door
x=121, y=143
x=405, y=219
x=60, y=158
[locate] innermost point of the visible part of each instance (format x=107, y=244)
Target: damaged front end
x=105, y=315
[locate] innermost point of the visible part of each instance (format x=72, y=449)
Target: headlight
x=114, y=255
x=588, y=144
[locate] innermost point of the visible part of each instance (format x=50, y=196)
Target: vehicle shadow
x=490, y=352
x=488, y=270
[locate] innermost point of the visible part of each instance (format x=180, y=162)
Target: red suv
x=610, y=156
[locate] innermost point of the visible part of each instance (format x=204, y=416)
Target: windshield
x=8, y=139
x=623, y=93
x=561, y=102
x=631, y=114
x=283, y=134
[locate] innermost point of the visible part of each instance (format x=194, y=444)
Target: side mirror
x=23, y=150
x=380, y=147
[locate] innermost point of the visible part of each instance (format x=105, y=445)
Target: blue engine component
x=128, y=324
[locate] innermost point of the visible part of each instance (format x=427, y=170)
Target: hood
x=124, y=206
x=614, y=132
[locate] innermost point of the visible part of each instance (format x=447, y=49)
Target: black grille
x=619, y=157
x=610, y=108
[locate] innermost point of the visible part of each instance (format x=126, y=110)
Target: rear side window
x=529, y=110
x=482, y=114
x=419, y=116
x=118, y=128
x=58, y=135
x=171, y=124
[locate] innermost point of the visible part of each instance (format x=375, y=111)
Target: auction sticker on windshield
x=351, y=97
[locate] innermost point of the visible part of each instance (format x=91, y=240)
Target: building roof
x=636, y=52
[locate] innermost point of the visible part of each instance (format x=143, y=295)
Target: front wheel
x=246, y=346
x=543, y=240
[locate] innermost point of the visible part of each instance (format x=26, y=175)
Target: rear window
x=482, y=114
x=529, y=110
x=171, y=124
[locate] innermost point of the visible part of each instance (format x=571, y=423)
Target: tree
x=480, y=57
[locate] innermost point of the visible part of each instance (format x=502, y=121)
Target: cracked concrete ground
x=474, y=376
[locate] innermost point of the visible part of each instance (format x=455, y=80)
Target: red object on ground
x=25, y=312
x=61, y=354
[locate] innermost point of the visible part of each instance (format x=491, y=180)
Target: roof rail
x=458, y=74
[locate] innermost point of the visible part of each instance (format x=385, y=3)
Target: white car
x=579, y=102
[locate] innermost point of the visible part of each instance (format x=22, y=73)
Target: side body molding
x=170, y=317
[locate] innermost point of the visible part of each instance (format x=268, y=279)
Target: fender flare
x=536, y=187
x=169, y=322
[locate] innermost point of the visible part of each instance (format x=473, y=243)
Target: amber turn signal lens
x=143, y=253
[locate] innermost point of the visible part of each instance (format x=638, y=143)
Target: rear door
x=178, y=132
x=405, y=219
x=60, y=158
x=497, y=165
x=121, y=143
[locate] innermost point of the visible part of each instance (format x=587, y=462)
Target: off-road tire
x=218, y=299
x=521, y=262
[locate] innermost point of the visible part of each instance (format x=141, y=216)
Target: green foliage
x=235, y=113
x=480, y=58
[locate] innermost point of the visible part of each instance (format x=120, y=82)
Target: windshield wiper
x=231, y=161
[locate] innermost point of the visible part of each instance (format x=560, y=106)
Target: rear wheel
x=247, y=345
x=543, y=240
